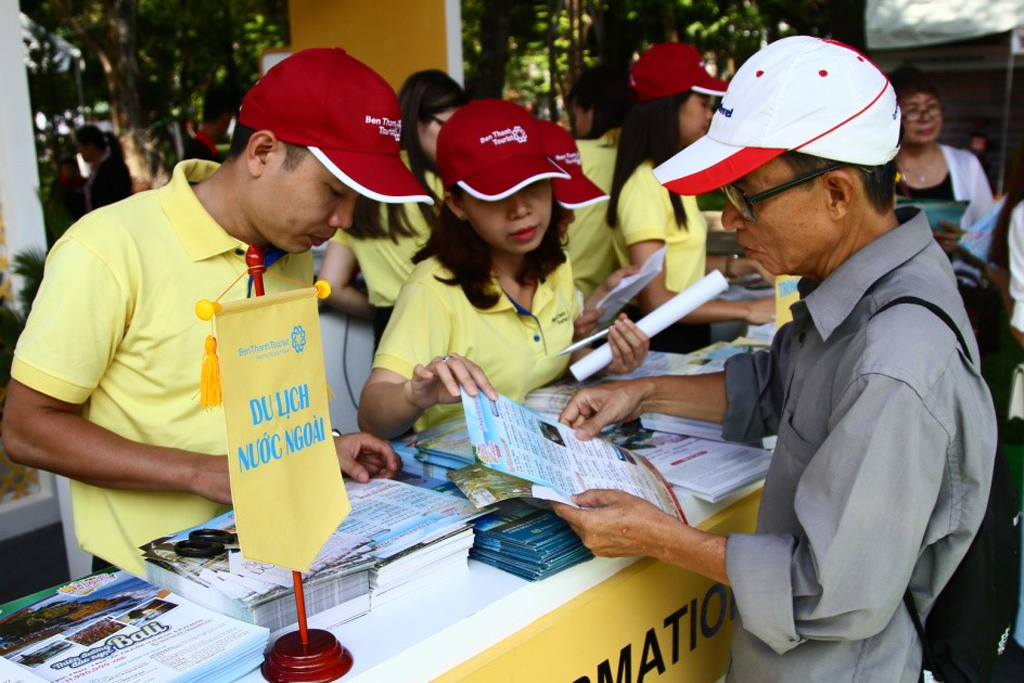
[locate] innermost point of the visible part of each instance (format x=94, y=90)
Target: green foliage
x=549, y=42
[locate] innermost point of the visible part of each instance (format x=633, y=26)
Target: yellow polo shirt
x=515, y=348
x=114, y=329
x=387, y=263
x=645, y=213
x=591, y=245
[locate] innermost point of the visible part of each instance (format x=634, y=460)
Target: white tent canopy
x=893, y=24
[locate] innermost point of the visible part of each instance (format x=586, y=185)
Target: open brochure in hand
x=115, y=627
x=513, y=439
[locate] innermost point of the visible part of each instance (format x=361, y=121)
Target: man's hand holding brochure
x=511, y=438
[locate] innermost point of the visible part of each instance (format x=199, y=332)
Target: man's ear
x=455, y=205
x=259, y=151
x=841, y=189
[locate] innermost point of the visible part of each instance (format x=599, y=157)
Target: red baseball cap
x=491, y=149
x=578, y=191
x=669, y=69
x=344, y=112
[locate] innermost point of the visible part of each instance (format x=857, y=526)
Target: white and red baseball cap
x=491, y=149
x=344, y=112
x=815, y=96
x=577, y=191
x=669, y=69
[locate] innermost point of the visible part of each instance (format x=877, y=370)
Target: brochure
x=113, y=626
x=937, y=210
x=261, y=593
x=513, y=439
x=527, y=541
x=709, y=469
x=631, y=285
x=977, y=239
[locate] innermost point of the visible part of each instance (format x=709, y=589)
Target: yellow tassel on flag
x=209, y=381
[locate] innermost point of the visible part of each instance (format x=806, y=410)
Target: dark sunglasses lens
x=739, y=202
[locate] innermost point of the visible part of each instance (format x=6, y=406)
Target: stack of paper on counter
x=444, y=446
x=396, y=538
x=115, y=627
x=337, y=587
x=550, y=400
x=527, y=541
x=509, y=438
x=419, y=536
x=709, y=469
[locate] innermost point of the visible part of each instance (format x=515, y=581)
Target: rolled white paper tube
x=679, y=306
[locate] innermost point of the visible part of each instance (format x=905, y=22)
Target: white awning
x=891, y=24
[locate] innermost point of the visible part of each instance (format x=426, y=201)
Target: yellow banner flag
x=286, y=484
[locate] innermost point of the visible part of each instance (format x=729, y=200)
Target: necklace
x=918, y=177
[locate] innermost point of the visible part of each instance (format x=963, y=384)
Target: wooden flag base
x=321, y=660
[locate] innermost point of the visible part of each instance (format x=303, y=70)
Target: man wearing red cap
x=886, y=431
x=104, y=383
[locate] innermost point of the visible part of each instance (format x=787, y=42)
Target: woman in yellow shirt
x=384, y=237
x=673, y=109
x=599, y=102
x=491, y=301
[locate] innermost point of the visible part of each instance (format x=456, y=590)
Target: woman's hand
x=759, y=311
x=949, y=237
x=629, y=345
x=440, y=380
x=585, y=323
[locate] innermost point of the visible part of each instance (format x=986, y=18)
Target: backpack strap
x=934, y=308
x=908, y=599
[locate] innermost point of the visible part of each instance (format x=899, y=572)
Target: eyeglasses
x=744, y=203
x=918, y=114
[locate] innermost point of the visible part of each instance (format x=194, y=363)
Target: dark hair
x=604, y=89
x=423, y=95
x=1000, y=254
x=294, y=154
x=459, y=248
x=879, y=182
x=91, y=135
x=909, y=80
x=649, y=133
x=217, y=101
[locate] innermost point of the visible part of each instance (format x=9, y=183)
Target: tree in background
x=532, y=52
x=147, y=63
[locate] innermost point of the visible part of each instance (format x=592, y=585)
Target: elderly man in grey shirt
x=886, y=431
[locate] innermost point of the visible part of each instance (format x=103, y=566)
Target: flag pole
x=315, y=655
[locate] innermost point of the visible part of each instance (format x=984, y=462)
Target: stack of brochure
x=396, y=539
x=418, y=535
x=114, y=627
x=710, y=468
x=337, y=584
x=444, y=446
x=527, y=541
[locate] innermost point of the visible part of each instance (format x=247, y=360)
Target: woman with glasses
x=673, y=109
x=384, y=237
x=929, y=170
